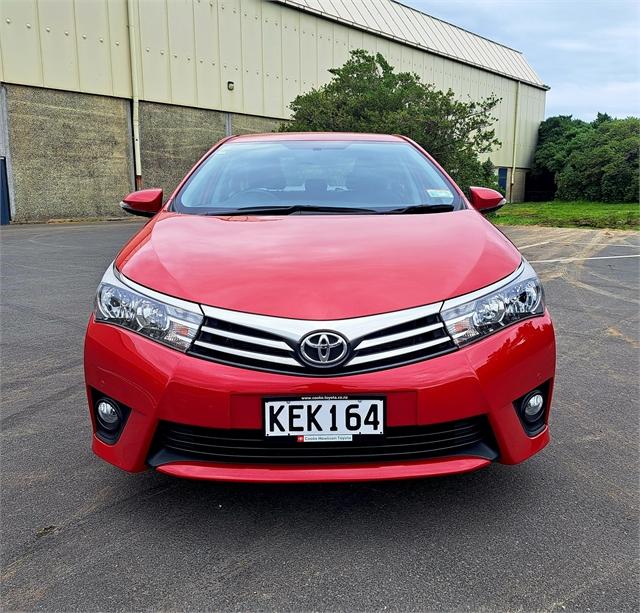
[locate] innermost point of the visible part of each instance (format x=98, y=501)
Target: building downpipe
x=135, y=96
x=515, y=143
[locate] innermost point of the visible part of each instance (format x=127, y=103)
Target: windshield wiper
x=317, y=208
x=422, y=208
x=288, y=210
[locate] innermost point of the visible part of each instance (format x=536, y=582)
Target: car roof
x=316, y=136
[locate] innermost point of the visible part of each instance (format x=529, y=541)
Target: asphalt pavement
x=559, y=532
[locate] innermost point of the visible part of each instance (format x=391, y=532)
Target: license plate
x=323, y=418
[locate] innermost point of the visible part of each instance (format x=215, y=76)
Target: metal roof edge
x=457, y=27
x=335, y=18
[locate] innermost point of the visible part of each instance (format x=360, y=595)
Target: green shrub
x=595, y=161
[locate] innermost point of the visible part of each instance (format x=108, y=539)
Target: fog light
x=109, y=414
x=533, y=407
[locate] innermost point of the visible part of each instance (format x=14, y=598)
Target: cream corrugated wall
x=190, y=49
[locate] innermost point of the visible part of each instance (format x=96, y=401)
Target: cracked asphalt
x=559, y=532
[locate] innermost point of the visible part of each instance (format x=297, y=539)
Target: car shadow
x=468, y=502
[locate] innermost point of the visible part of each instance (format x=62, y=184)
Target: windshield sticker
x=440, y=193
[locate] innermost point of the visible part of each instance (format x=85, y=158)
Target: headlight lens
x=470, y=317
x=175, y=325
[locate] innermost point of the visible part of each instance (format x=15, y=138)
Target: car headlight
x=167, y=320
x=480, y=313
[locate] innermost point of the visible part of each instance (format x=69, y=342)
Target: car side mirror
x=146, y=202
x=486, y=200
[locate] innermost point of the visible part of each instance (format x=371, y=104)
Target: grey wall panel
x=71, y=153
x=250, y=124
x=173, y=138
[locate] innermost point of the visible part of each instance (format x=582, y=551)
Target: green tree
x=589, y=161
x=556, y=140
x=367, y=95
x=603, y=163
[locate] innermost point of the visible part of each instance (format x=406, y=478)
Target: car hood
x=318, y=266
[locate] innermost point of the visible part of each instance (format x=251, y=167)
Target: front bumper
x=160, y=384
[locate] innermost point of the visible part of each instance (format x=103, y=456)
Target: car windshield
x=321, y=176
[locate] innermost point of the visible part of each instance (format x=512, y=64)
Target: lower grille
x=177, y=442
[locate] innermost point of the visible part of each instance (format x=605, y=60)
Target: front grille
x=416, y=337
x=176, y=442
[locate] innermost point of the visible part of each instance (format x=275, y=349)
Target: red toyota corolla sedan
x=318, y=307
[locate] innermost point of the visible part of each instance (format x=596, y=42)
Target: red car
x=318, y=307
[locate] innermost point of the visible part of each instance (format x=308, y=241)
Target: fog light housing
x=110, y=417
x=108, y=414
x=532, y=409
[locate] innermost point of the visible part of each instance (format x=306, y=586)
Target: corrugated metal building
x=96, y=92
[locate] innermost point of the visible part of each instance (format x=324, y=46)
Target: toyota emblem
x=323, y=349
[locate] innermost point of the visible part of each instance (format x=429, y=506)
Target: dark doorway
x=5, y=210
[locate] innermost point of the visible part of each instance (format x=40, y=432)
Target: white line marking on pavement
x=534, y=245
x=600, y=257
x=572, y=243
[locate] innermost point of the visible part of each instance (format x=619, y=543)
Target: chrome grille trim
x=248, y=354
x=385, y=355
x=377, y=342
x=256, y=340
x=295, y=329
x=399, y=336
